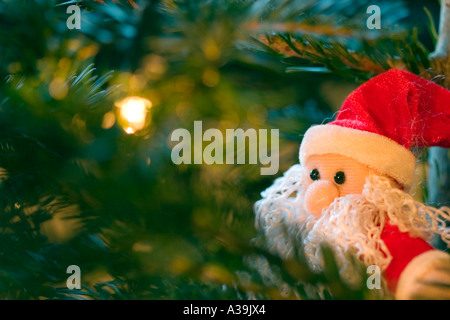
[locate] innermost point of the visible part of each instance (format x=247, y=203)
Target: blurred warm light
x=59, y=228
x=3, y=174
x=180, y=264
x=136, y=82
x=133, y=113
x=58, y=88
x=64, y=64
x=133, y=110
x=142, y=247
x=182, y=109
x=109, y=119
x=216, y=273
x=211, y=50
x=14, y=67
x=155, y=65
x=229, y=121
x=130, y=130
x=210, y=77
x=88, y=51
x=73, y=44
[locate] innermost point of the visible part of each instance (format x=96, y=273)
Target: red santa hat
x=381, y=120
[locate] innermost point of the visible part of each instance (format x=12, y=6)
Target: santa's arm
x=416, y=270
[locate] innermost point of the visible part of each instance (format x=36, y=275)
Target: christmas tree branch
x=353, y=60
x=301, y=27
x=341, y=45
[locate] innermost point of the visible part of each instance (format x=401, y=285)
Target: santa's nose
x=320, y=194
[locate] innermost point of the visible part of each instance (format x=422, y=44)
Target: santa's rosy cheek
x=319, y=195
x=354, y=184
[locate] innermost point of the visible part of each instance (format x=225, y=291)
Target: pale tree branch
x=442, y=46
x=440, y=58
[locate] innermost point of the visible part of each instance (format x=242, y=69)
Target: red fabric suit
x=403, y=248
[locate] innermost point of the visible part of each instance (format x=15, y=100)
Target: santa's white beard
x=351, y=226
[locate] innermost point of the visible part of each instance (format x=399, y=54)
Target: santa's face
x=327, y=199
x=336, y=200
x=332, y=176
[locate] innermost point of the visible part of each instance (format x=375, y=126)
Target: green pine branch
x=338, y=42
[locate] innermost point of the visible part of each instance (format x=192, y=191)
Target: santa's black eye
x=339, y=177
x=314, y=174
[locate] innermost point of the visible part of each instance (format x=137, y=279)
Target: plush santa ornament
x=350, y=189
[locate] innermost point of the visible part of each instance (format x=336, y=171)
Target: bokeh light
x=133, y=113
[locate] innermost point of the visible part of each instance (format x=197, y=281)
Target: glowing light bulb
x=129, y=130
x=133, y=113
